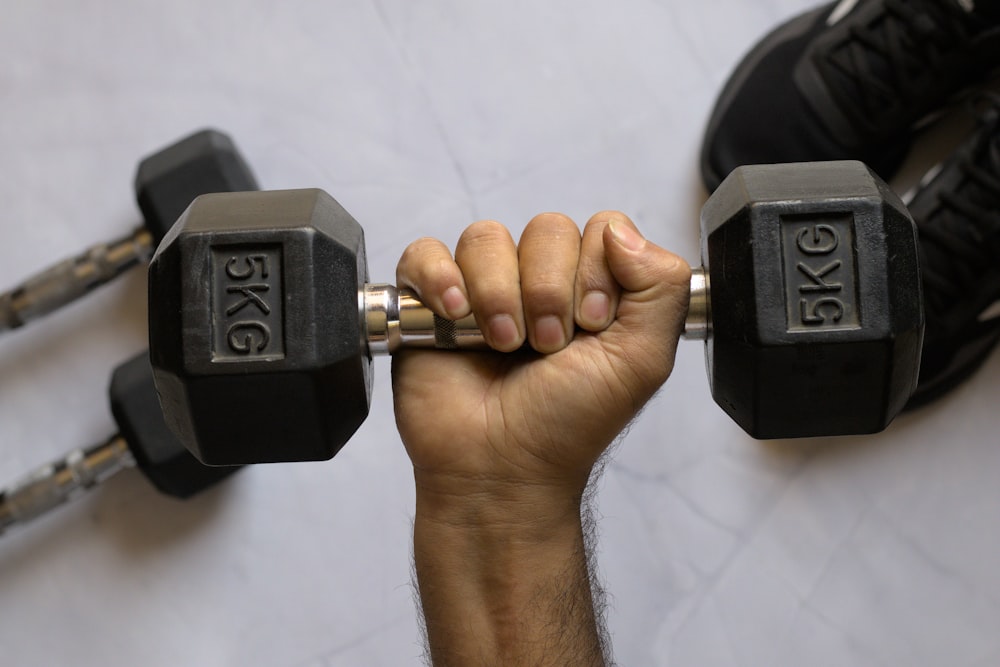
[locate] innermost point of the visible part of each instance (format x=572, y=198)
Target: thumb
x=654, y=301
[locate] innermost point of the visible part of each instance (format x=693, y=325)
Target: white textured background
x=421, y=117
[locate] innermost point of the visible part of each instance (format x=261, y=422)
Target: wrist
x=504, y=580
x=519, y=510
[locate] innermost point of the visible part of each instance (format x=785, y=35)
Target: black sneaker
x=852, y=79
x=957, y=211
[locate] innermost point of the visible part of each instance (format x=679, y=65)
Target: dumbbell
x=143, y=441
x=263, y=325
x=165, y=183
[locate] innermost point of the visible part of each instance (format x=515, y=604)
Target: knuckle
x=547, y=293
x=440, y=272
x=602, y=218
x=676, y=271
x=433, y=271
x=553, y=220
x=546, y=285
x=484, y=232
x=550, y=231
x=593, y=269
x=428, y=263
x=419, y=250
x=496, y=293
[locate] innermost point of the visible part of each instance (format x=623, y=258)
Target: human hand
x=602, y=315
x=502, y=445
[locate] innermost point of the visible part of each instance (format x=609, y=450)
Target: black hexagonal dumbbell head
x=816, y=301
x=168, y=180
x=158, y=453
x=255, y=331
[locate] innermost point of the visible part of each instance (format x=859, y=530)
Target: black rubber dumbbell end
x=158, y=453
x=817, y=310
x=254, y=327
x=167, y=181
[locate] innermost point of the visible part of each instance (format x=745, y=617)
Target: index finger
x=597, y=291
x=428, y=268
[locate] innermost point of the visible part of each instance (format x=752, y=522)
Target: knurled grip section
x=53, y=484
x=445, y=334
x=8, y=315
x=70, y=279
x=395, y=318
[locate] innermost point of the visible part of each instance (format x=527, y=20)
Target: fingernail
x=503, y=332
x=455, y=303
x=626, y=237
x=595, y=309
x=549, y=333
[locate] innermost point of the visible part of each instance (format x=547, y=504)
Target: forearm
x=504, y=582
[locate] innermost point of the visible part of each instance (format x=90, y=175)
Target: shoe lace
x=880, y=72
x=960, y=241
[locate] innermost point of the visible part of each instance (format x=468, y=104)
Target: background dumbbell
x=143, y=441
x=165, y=183
x=263, y=326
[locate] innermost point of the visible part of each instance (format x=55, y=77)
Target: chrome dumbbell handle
x=396, y=318
x=698, y=324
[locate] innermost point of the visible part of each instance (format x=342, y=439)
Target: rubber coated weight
x=158, y=453
x=816, y=300
x=255, y=329
x=167, y=181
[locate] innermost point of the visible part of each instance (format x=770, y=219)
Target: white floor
x=421, y=117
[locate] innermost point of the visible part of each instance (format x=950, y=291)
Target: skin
x=503, y=445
